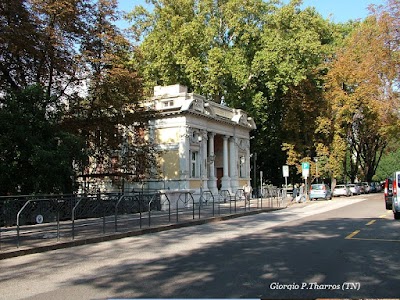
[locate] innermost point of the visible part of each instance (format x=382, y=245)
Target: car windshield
x=317, y=186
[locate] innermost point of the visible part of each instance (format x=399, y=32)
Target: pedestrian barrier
x=206, y=197
x=33, y=220
x=186, y=203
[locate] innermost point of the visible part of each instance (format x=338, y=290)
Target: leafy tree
x=38, y=43
x=38, y=69
x=253, y=55
x=111, y=118
x=363, y=98
x=204, y=44
x=36, y=156
x=389, y=163
x=288, y=76
x=83, y=64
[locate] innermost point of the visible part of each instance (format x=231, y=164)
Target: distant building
x=203, y=143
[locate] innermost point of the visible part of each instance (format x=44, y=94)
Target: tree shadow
x=231, y=260
x=246, y=266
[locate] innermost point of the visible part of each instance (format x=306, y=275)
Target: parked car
x=378, y=187
x=388, y=192
x=367, y=187
x=341, y=190
x=354, y=189
x=396, y=195
x=361, y=187
x=320, y=191
x=372, y=187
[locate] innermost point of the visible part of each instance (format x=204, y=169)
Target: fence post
x=140, y=210
x=18, y=214
x=58, y=219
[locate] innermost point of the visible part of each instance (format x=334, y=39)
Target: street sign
x=305, y=169
x=39, y=219
x=285, y=171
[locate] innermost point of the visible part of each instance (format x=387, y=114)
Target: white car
x=354, y=189
x=341, y=190
x=367, y=187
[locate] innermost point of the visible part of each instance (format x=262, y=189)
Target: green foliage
x=389, y=163
x=289, y=70
x=273, y=61
x=314, y=88
x=39, y=41
x=37, y=155
x=292, y=46
x=361, y=89
x=259, y=56
x=73, y=53
x=111, y=117
x=205, y=45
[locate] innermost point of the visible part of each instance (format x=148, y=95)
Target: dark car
x=388, y=192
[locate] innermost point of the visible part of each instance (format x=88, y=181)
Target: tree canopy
x=362, y=89
x=318, y=91
x=69, y=55
x=309, y=83
x=36, y=154
x=256, y=55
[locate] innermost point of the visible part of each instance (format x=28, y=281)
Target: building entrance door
x=220, y=173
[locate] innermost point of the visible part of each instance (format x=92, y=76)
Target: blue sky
x=342, y=10
x=335, y=10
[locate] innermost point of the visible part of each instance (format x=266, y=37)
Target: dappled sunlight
x=245, y=256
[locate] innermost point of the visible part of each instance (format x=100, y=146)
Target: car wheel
x=396, y=215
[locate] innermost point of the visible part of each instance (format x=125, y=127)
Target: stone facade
x=204, y=145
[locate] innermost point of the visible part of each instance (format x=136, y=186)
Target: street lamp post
x=255, y=173
x=316, y=168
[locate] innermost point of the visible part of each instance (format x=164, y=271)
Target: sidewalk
x=41, y=239
x=305, y=203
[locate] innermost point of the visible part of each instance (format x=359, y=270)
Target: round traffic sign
x=39, y=219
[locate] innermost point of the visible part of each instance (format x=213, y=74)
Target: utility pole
x=316, y=168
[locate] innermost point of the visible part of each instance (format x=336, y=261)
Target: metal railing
x=34, y=220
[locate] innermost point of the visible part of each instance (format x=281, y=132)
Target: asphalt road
x=344, y=248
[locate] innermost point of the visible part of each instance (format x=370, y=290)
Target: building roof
x=174, y=99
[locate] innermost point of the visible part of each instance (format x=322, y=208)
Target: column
x=212, y=180
x=226, y=180
x=203, y=160
x=233, y=164
x=184, y=157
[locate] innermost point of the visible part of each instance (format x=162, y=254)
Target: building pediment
x=176, y=100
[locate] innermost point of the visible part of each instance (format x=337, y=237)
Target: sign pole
x=305, y=169
x=285, y=171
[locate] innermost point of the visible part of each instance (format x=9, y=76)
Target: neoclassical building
x=203, y=145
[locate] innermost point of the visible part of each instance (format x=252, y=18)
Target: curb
x=115, y=236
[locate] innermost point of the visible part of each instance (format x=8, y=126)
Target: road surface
x=344, y=248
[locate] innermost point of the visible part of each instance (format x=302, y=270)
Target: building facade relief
x=212, y=144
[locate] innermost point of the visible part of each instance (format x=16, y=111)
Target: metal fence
x=34, y=220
